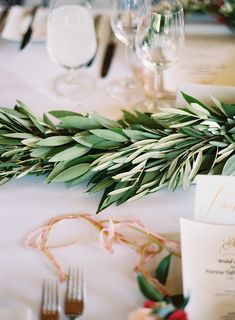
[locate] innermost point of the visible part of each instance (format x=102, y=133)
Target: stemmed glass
x=125, y=15
x=71, y=43
x=160, y=41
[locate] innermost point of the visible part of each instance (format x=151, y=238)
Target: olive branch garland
x=126, y=159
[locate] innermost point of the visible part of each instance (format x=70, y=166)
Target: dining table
x=28, y=203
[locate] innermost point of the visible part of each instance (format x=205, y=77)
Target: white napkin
x=19, y=20
x=13, y=28
x=15, y=313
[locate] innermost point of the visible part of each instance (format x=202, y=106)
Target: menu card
x=208, y=258
x=208, y=57
x=208, y=250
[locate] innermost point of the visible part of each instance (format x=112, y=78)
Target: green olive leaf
x=229, y=167
x=70, y=153
x=109, y=135
x=54, y=141
x=72, y=172
x=79, y=122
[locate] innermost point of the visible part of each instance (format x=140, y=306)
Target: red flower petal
x=149, y=304
x=178, y=315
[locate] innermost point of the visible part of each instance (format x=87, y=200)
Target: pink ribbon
x=110, y=232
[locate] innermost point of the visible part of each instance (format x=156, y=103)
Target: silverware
x=74, y=299
x=27, y=35
x=108, y=55
x=97, y=23
x=50, y=308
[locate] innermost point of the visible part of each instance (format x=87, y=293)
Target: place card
x=215, y=199
x=208, y=259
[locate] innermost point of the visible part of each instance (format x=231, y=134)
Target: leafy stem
x=126, y=159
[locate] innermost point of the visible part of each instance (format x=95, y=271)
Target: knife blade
x=3, y=17
x=108, y=55
x=27, y=35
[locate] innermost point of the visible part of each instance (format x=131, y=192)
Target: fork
x=74, y=298
x=50, y=309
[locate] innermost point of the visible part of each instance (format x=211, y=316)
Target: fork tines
x=50, y=308
x=74, y=299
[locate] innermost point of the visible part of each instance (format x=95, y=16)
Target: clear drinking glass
x=71, y=43
x=125, y=15
x=160, y=41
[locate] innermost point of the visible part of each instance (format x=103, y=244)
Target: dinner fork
x=74, y=298
x=50, y=309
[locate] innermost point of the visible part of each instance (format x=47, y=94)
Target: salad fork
x=50, y=309
x=74, y=299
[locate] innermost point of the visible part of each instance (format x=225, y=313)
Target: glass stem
x=71, y=76
x=158, y=85
x=129, y=82
x=127, y=57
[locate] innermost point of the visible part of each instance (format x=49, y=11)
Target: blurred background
x=96, y=3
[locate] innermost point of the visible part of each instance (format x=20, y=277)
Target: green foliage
x=148, y=290
x=126, y=159
x=161, y=305
x=162, y=269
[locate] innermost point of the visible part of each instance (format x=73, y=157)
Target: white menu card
x=207, y=58
x=208, y=259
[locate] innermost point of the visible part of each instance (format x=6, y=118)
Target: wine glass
x=160, y=41
x=71, y=43
x=125, y=15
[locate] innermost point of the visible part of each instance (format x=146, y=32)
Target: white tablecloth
x=27, y=203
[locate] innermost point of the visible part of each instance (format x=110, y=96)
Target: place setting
x=117, y=150
x=23, y=23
